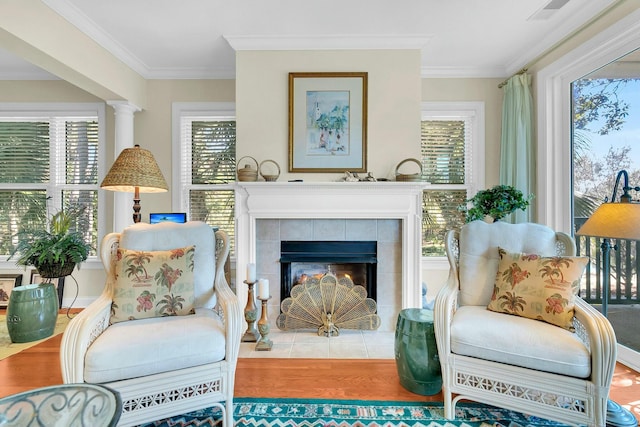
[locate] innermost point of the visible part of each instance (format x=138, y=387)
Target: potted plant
x=56, y=250
x=495, y=202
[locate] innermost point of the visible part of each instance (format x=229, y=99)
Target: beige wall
x=393, y=107
x=484, y=90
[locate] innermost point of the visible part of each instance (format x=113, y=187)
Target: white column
x=123, y=202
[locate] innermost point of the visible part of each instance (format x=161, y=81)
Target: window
x=452, y=149
x=50, y=157
x=205, y=143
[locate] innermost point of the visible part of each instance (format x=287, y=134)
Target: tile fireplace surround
x=389, y=212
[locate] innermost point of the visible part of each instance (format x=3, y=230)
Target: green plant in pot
x=54, y=251
x=495, y=202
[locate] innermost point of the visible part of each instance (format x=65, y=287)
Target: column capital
x=124, y=107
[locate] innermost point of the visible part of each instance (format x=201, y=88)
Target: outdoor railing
x=625, y=268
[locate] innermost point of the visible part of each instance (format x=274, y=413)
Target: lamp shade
x=135, y=167
x=614, y=221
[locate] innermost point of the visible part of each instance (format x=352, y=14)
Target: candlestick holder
x=250, y=315
x=264, y=343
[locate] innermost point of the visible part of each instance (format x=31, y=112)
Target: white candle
x=251, y=273
x=263, y=289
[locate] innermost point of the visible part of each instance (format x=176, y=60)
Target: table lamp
x=614, y=220
x=135, y=171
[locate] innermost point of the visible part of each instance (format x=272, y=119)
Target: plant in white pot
x=495, y=203
x=54, y=250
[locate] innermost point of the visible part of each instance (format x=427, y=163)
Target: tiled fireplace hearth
x=387, y=212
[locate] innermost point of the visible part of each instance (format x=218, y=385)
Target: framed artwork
x=7, y=283
x=328, y=122
x=57, y=282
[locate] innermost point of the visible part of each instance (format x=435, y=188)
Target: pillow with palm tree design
x=537, y=287
x=153, y=284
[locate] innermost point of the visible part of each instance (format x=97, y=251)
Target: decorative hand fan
x=328, y=304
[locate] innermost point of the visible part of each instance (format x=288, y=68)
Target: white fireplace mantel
x=333, y=200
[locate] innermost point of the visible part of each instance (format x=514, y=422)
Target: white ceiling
x=191, y=38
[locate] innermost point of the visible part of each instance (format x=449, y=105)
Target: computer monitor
x=155, y=218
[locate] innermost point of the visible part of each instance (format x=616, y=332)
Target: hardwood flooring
x=370, y=379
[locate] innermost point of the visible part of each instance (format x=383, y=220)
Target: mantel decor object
x=412, y=177
x=268, y=176
x=328, y=122
x=248, y=173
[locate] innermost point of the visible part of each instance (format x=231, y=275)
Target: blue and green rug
x=249, y=412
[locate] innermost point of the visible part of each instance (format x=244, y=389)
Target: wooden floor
x=369, y=379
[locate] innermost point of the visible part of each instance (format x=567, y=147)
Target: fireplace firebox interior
x=300, y=259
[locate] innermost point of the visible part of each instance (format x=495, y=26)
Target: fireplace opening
x=302, y=259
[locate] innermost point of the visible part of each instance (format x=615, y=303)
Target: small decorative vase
x=32, y=312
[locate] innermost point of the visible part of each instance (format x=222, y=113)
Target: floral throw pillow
x=540, y=288
x=153, y=284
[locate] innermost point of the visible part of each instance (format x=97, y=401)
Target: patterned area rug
x=7, y=348
x=354, y=413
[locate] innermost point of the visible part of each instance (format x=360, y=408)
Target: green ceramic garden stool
x=32, y=312
x=416, y=352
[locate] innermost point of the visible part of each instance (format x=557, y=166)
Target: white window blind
x=206, y=146
x=450, y=137
x=48, y=160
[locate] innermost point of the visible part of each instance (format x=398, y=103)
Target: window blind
x=24, y=152
x=444, y=151
x=446, y=142
x=48, y=161
x=208, y=167
x=213, y=147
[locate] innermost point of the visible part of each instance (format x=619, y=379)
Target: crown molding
x=220, y=73
x=463, y=72
x=326, y=42
x=72, y=14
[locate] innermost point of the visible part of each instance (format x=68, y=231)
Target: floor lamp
x=614, y=220
x=135, y=171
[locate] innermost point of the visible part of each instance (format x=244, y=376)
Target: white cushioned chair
x=161, y=366
x=510, y=361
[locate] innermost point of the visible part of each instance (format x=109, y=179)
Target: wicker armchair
x=510, y=361
x=162, y=366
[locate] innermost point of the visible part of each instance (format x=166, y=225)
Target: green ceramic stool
x=416, y=352
x=32, y=312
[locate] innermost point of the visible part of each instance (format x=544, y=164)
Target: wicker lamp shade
x=135, y=167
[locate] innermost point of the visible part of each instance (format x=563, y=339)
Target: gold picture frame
x=328, y=122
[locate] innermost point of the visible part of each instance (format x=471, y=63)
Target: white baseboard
x=629, y=357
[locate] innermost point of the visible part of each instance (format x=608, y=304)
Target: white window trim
x=476, y=172
x=554, y=125
x=207, y=110
x=463, y=111
x=82, y=109
x=554, y=115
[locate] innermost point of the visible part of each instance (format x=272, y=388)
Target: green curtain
x=517, y=153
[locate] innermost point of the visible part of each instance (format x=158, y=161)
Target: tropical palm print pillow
x=540, y=288
x=153, y=284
